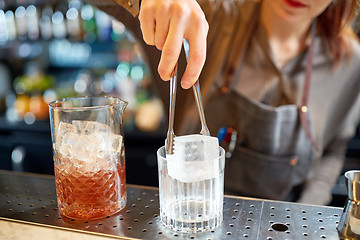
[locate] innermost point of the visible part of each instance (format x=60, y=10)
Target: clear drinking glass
x=89, y=156
x=195, y=206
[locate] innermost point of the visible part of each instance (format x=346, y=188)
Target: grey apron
x=273, y=153
x=274, y=149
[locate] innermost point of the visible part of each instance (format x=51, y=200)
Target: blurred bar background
x=56, y=49
x=51, y=49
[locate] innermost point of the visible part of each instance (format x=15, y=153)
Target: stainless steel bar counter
x=31, y=199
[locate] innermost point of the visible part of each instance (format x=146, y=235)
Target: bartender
x=283, y=74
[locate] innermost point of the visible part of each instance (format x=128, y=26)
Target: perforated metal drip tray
x=32, y=199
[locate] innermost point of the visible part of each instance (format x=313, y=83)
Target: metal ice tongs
x=169, y=143
x=197, y=94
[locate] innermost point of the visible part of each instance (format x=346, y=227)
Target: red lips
x=295, y=4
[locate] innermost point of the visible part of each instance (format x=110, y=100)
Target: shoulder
x=352, y=57
x=354, y=45
x=350, y=44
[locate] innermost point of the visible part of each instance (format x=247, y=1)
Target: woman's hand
x=164, y=24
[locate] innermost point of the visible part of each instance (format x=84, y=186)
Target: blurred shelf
x=38, y=126
x=44, y=126
x=63, y=53
x=13, y=4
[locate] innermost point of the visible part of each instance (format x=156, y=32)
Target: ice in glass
x=191, y=198
x=89, y=158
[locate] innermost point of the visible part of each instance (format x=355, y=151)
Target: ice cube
x=196, y=147
x=85, y=148
x=64, y=139
x=64, y=129
x=194, y=151
x=116, y=143
x=194, y=158
x=89, y=144
x=108, y=143
x=90, y=152
x=65, y=144
x=103, y=142
x=89, y=127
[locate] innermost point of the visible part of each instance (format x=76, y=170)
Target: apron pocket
x=255, y=174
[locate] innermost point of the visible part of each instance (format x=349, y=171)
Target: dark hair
x=334, y=25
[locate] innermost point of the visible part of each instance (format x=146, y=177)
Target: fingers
x=171, y=49
x=161, y=29
x=164, y=23
x=197, y=56
x=147, y=24
x=154, y=19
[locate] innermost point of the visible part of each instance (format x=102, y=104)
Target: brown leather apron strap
x=303, y=109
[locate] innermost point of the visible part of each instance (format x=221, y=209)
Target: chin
x=290, y=17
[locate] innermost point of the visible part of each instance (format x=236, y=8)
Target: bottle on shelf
x=10, y=25
x=45, y=23
x=21, y=25
x=73, y=24
x=103, y=25
x=32, y=20
x=88, y=23
x=3, y=28
x=58, y=24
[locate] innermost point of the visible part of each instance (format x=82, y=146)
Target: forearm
x=112, y=6
x=318, y=188
x=132, y=6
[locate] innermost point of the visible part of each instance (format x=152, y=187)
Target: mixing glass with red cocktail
x=89, y=157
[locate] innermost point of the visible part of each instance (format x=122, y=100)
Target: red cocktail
x=84, y=194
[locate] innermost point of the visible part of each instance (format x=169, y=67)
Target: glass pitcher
x=89, y=156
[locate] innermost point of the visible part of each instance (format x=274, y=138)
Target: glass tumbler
x=89, y=156
x=191, y=206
